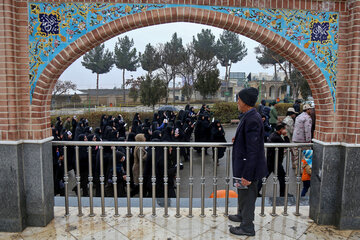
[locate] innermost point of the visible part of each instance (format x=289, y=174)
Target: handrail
x=176, y=147
x=172, y=144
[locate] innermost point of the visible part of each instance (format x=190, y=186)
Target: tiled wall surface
x=22, y=119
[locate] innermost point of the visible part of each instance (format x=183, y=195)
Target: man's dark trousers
x=246, y=206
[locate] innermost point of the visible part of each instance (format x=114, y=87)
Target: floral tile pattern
x=53, y=26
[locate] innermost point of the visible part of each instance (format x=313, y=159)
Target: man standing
x=302, y=128
x=248, y=160
x=273, y=116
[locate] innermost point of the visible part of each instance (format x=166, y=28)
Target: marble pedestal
x=26, y=184
x=335, y=181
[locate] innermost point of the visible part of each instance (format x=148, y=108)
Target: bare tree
x=62, y=87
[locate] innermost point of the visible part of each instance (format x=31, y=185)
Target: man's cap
x=249, y=96
x=307, y=106
x=292, y=110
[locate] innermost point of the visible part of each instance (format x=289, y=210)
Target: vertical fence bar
x=102, y=183
x=287, y=182
x=202, y=182
x=128, y=190
x=153, y=181
x=275, y=182
x=263, y=192
x=227, y=180
x=298, y=183
x=166, y=214
x=178, y=182
x=91, y=184
x=78, y=180
x=66, y=182
x=141, y=183
x=114, y=180
x=191, y=183
x=215, y=182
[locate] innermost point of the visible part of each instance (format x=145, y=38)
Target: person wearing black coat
x=73, y=125
x=131, y=138
x=84, y=166
x=279, y=136
x=218, y=135
x=59, y=125
x=188, y=130
x=122, y=130
x=248, y=161
x=80, y=129
x=135, y=126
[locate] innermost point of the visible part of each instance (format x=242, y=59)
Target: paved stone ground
x=171, y=228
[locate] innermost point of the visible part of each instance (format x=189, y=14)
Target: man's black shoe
x=235, y=218
x=239, y=231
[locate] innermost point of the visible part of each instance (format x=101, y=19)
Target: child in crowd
x=306, y=170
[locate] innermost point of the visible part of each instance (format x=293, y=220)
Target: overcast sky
x=84, y=79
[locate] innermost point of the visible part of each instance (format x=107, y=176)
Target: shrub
x=225, y=111
x=282, y=108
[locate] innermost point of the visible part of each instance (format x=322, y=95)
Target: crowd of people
x=296, y=127
x=166, y=126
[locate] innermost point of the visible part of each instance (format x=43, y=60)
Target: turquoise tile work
x=53, y=26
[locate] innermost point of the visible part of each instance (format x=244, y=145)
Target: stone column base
x=335, y=184
x=26, y=184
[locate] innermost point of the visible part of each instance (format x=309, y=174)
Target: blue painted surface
x=53, y=26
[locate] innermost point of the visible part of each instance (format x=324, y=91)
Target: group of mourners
x=166, y=126
x=296, y=127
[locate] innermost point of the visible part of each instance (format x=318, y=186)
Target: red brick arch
x=40, y=109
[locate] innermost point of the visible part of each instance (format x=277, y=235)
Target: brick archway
x=40, y=108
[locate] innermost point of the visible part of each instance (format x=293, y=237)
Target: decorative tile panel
x=53, y=26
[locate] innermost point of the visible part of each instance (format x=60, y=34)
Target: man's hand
x=245, y=182
x=233, y=139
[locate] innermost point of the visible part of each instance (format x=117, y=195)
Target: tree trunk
x=167, y=93
x=229, y=77
x=275, y=72
x=124, y=85
x=226, y=83
x=173, y=78
x=97, y=89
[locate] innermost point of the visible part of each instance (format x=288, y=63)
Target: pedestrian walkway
x=171, y=228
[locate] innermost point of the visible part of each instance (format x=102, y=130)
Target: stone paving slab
x=171, y=228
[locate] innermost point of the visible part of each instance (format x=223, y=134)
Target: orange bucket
x=222, y=194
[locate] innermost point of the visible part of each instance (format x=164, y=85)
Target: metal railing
x=177, y=146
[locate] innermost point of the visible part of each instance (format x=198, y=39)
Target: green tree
x=125, y=56
x=208, y=83
x=150, y=60
x=173, y=56
x=204, y=46
x=98, y=61
x=134, y=87
x=266, y=57
x=300, y=85
x=152, y=90
x=230, y=50
x=199, y=57
x=165, y=73
x=188, y=70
